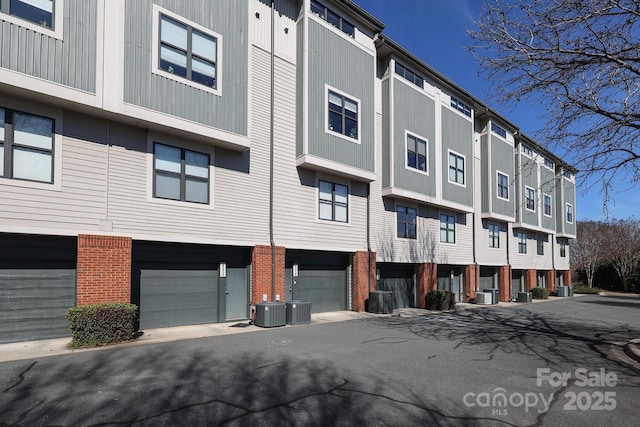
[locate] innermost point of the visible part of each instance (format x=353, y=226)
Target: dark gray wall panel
x=487, y=175
x=529, y=177
x=547, y=183
x=386, y=143
x=502, y=159
x=569, y=197
x=457, y=135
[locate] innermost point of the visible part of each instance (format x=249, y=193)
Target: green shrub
x=101, y=324
x=440, y=300
x=586, y=290
x=540, y=293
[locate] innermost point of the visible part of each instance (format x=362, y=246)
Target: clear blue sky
x=436, y=32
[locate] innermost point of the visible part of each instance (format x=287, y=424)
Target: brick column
x=504, y=280
x=427, y=281
x=471, y=278
x=567, y=278
x=551, y=280
x=261, y=273
x=362, y=276
x=531, y=277
x=104, y=269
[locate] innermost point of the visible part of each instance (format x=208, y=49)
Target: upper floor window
x=503, y=186
x=407, y=225
x=333, y=201
x=547, y=205
x=409, y=75
x=549, y=163
x=530, y=198
x=461, y=106
x=416, y=153
x=447, y=228
x=540, y=244
x=522, y=242
x=343, y=114
x=494, y=235
x=569, y=213
x=456, y=168
x=39, y=12
x=566, y=173
x=180, y=174
x=26, y=146
x=332, y=18
x=498, y=130
x=527, y=150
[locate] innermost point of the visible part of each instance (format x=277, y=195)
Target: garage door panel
x=326, y=289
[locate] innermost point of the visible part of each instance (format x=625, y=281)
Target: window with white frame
x=499, y=130
x=407, y=222
x=563, y=248
x=530, y=198
x=503, y=186
x=342, y=114
x=26, y=146
x=39, y=12
x=180, y=174
x=186, y=52
x=409, y=75
x=526, y=150
x=416, y=153
x=333, y=201
x=569, y=213
x=540, y=244
x=494, y=235
x=456, y=168
x=447, y=228
x=332, y=18
x=522, y=242
x=549, y=163
x=547, y=204
x=461, y=106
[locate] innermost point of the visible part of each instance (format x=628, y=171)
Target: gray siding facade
x=528, y=178
x=502, y=160
x=457, y=135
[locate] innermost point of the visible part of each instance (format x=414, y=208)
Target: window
x=547, y=205
x=569, y=213
x=494, y=236
x=456, y=168
x=409, y=75
x=498, y=130
x=549, y=163
x=522, y=242
x=460, y=106
x=527, y=150
x=566, y=174
x=39, y=12
x=180, y=174
x=334, y=201
x=343, y=115
x=407, y=228
x=332, y=18
x=563, y=248
x=26, y=146
x=447, y=228
x=540, y=244
x=503, y=186
x=530, y=198
x=416, y=153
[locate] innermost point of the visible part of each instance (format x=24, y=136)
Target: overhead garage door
x=398, y=278
x=322, y=279
x=37, y=286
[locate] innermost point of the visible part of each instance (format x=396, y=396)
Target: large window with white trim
x=530, y=198
x=343, y=114
x=416, y=153
x=522, y=242
x=494, y=236
x=26, y=146
x=180, y=174
x=503, y=186
x=456, y=168
x=333, y=201
x=547, y=205
x=447, y=228
x=407, y=222
x=39, y=12
x=569, y=213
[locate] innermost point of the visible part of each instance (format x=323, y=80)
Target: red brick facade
x=551, y=280
x=103, y=269
x=427, y=281
x=471, y=279
x=261, y=273
x=531, y=278
x=504, y=283
x=567, y=278
x=363, y=275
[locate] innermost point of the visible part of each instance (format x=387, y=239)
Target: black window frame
x=503, y=185
x=9, y=145
x=190, y=55
x=461, y=106
x=494, y=235
x=325, y=13
x=569, y=216
x=455, y=168
x=409, y=75
x=522, y=242
x=333, y=202
x=7, y=8
x=182, y=175
x=498, y=130
x=416, y=155
x=540, y=245
x=410, y=228
x=563, y=248
x=343, y=114
x=530, y=198
x=447, y=225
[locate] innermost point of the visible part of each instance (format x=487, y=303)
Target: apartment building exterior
x=196, y=158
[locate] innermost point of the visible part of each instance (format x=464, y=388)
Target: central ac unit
x=483, y=298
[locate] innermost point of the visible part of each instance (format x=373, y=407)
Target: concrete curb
x=632, y=349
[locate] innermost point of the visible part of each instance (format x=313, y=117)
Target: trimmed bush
x=102, y=324
x=540, y=293
x=586, y=290
x=440, y=300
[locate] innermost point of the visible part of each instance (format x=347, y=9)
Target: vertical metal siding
x=383, y=135
x=569, y=197
x=486, y=192
x=457, y=135
x=502, y=160
x=529, y=177
x=145, y=89
x=300, y=88
x=547, y=185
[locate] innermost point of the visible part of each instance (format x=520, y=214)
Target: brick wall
x=531, y=279
x=567, y=278
x=427, y=281
x=261, y=273
x=504, y=280
x=104, y=269
x=362, y=276
x=551, y=280
x=471, y=281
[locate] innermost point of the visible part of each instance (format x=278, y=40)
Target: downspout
x=369, y=235
x=271, y=149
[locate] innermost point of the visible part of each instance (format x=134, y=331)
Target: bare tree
x=587, y=250
x=622, y=247
x=581, y=60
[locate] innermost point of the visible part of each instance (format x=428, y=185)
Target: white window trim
x=317, y=202
x=155, y=38
x=406, y=205
x=177, y=143
x=449, y=151
x=544, y=163
x=526, y=187
x=526, y=243
x=533, y=153
x=406, y=149
x=328, y=88
x=498, y=173
x=58, y=8
x=551, y=210
x=573, y=213
x=455, y=229
x=489, y=240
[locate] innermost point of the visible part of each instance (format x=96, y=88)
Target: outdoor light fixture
x=223, y=269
